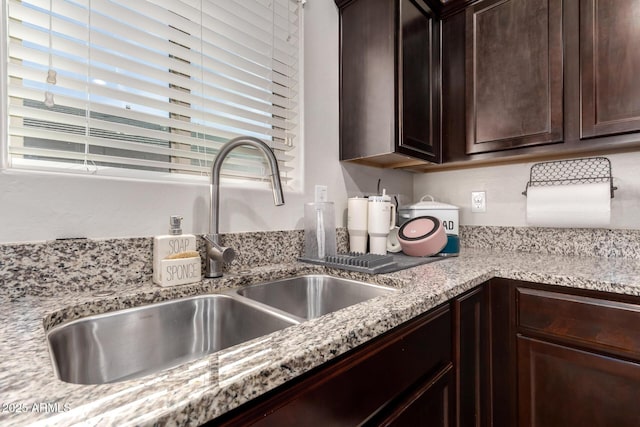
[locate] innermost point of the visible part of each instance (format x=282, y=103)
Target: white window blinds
x=102, y=86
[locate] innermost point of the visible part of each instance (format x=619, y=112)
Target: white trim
x=4, y=116
x=299, y=174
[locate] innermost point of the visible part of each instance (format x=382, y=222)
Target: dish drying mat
x=371, y=263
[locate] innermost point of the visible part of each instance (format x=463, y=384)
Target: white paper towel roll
x=570, y=206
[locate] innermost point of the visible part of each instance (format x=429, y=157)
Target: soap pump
x=176, y=260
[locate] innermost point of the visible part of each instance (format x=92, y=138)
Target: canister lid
x=429, y=204
x=419, y=228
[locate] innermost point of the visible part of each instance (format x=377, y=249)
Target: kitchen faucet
x=217, y=254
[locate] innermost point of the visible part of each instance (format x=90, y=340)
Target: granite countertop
x=195, y=392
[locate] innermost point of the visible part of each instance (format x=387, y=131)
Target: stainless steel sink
x=132, y=343
x=312, y=296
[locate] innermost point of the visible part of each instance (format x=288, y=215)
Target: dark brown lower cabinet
x=564, y=386
x=502, y=361
x=507, y=353
x=404, y=375
x=471, y=357
x=563, y=357
x=429, y=403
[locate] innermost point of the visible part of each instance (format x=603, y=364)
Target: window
x=113, y=86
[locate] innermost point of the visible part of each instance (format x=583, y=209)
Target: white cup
x=381, y=219
x=357, y=216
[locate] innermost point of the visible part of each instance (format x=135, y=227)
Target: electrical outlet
x=478, y=201
x=320, y=193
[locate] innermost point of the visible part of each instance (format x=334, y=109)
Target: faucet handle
x=217, y=252
x=224, y=254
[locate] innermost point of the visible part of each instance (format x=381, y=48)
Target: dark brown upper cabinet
x=503, y=80
x=389, y=82
x=539, y=79
x=610, y=67
x=514, y=74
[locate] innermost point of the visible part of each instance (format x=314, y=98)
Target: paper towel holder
x=573, y=171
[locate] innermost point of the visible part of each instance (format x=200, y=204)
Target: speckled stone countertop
x=195, y=392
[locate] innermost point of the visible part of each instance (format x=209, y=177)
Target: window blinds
x=102, y=86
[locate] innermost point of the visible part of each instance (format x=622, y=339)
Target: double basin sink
x=131, y=343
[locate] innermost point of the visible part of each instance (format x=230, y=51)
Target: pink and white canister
x=422, y=236
x=447, y=214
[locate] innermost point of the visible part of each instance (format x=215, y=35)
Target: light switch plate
x=320, y=193
x=478, y=201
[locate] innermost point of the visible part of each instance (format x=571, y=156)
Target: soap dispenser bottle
x=176, y=260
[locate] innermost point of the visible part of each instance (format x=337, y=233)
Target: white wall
x=37, y=207
x=504, y=186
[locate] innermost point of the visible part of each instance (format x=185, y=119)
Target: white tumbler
x=381, y=219
x=357, y=223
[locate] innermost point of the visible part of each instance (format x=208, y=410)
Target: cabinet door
x=513, y=74
x=389, y=82
x=471, y=358
x=503, y=364
x=367, y=79
x=610, y=66
x=430, y=403
x=419, y=81
x=560, y=386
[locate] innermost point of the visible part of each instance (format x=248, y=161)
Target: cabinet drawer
x=601, y=324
